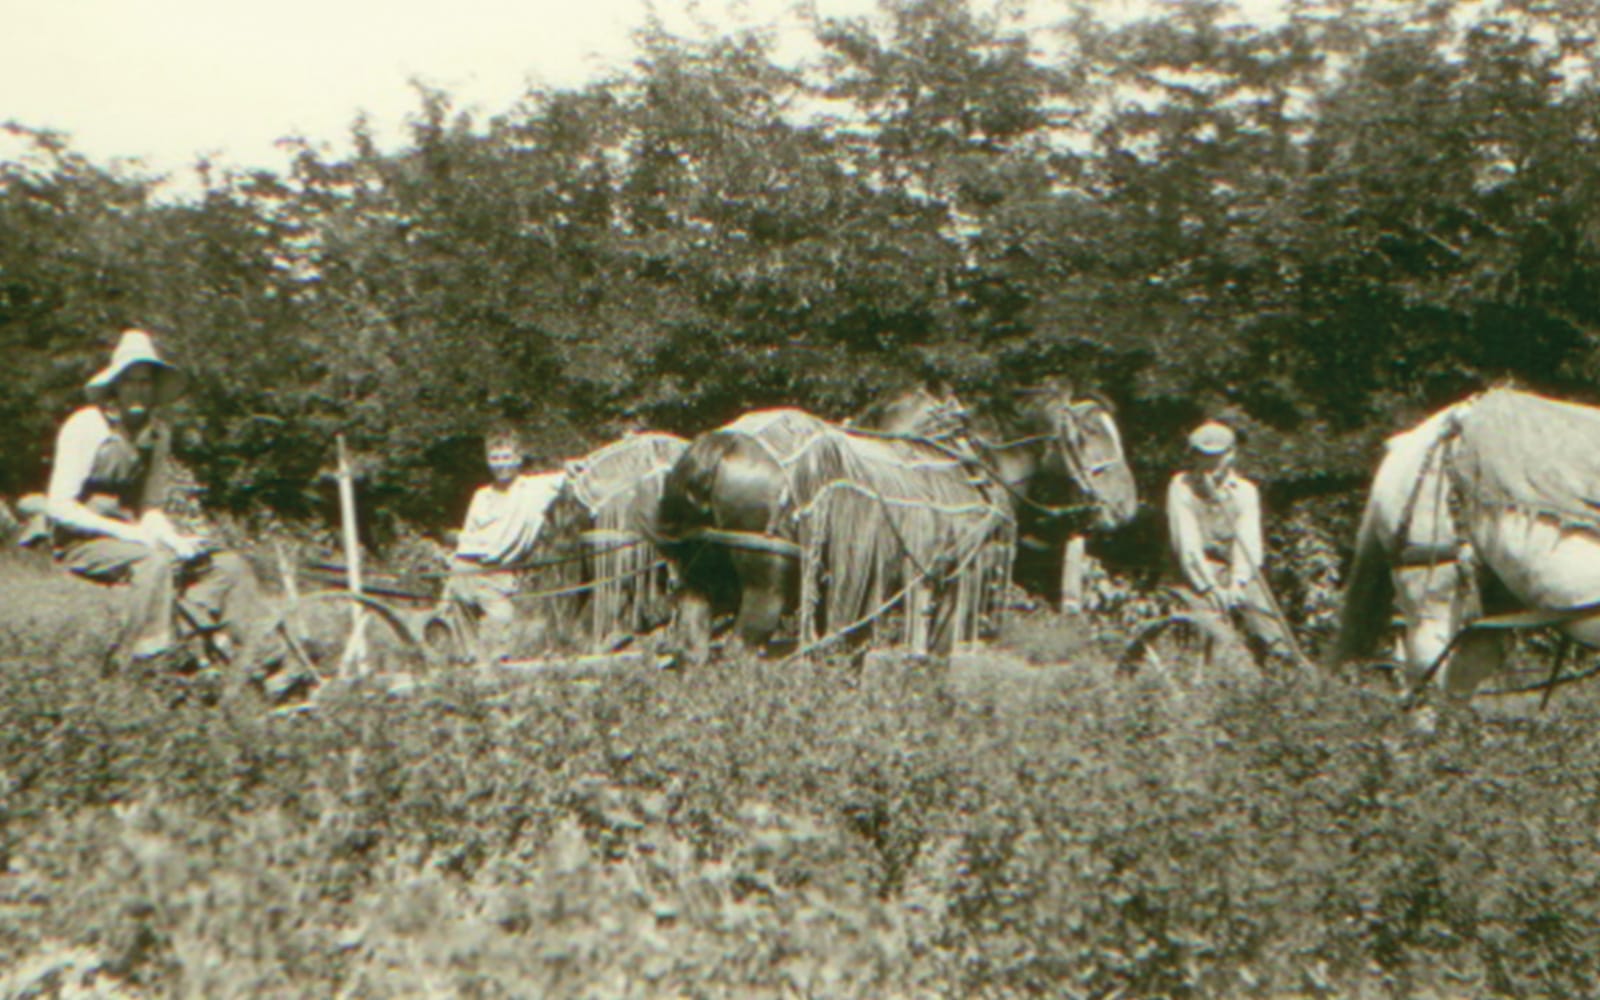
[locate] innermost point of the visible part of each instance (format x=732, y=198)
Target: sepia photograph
x=800, y=499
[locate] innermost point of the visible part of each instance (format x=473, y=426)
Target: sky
x=166, y=82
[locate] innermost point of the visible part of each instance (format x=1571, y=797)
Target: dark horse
x=781, y=512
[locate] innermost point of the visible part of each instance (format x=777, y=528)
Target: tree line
x=1317, y=229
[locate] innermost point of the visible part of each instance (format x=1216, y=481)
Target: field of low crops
x=998, y=827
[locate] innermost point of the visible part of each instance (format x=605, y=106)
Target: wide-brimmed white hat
x=136, y=347
x=1212, y=438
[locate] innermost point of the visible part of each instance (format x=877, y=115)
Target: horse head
x=1081, y=443
x=934, y=413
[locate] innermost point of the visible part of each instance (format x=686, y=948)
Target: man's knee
x=499, y=611
x=151, y=560
x=231, y=566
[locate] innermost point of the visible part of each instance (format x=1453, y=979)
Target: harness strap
x=751, y=540
x=1418, y=555
x=1534, y=618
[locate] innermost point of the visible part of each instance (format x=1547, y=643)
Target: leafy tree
x=1318, y=229
x=72, y=272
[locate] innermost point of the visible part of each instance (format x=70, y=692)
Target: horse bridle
x=1438, y=554
x=1055, y=437
x=1413, y=555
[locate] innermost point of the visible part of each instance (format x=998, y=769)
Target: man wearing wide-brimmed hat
x=108, y=488
x=1214, y=520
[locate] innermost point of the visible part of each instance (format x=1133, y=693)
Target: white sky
x=167, y=81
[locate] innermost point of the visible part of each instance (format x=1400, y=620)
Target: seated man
x=108, y=486
x=502, y=523
x=1214, y=519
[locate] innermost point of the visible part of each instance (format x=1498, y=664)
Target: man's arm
x=477, y=529
x=76, y=444
x=522, y=518
x=1248, y=549
x=1188, y=544
x=153, y=499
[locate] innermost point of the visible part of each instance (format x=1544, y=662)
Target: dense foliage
x=1318, y=229
x=807, y=830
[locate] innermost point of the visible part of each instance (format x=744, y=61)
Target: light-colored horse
x=1458, y=509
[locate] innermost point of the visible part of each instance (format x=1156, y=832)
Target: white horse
x=1491, y=495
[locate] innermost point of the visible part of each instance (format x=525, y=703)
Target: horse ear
x=1054, y=386
x=1101, y=400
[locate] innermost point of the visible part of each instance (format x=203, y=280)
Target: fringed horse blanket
x=618, y=489
x=880, y=520
x=1541, y=455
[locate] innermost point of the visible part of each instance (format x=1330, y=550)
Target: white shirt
x=87, y=450
x=1215, y=529
x=503, y=524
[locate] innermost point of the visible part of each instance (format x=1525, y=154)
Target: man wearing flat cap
x=1214, y=520
x=106, y=499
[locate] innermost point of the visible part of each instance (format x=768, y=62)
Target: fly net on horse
x=880, y=520
x=1513, y=479
x=1523, y=451
x=616, y=491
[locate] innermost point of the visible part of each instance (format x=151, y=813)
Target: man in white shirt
x=105, y=502
x=1214, y=519
x=501, y=527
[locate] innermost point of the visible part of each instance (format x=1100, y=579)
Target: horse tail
x=1368, y=593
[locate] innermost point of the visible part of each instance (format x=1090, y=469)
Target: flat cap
x=1212, y=438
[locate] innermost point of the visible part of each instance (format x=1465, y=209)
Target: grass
x=1005, y=826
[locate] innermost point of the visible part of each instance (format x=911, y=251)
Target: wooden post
x=1073, y=564
x=355, y=652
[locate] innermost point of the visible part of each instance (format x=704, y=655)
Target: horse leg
x=748, y=495
x=1427, y=636
x=693, y=626
x=942, y=599
x=766, y=580
x=1477, y=657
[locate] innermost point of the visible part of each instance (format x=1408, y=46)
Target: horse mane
x=596, y=532
x=927, y=411
x=606, y=481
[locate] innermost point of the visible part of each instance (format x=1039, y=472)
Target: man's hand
x=186, y=547
x=133, y=531
x=1236, y=592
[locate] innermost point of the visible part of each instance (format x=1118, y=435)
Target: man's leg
x=488, y=595
x=225, y=587
x=498, y=621
x=148, y=570
x=1261, y=620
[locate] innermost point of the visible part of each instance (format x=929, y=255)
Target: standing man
x=501, y=526
x=1214, y=520
x=105, y=503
